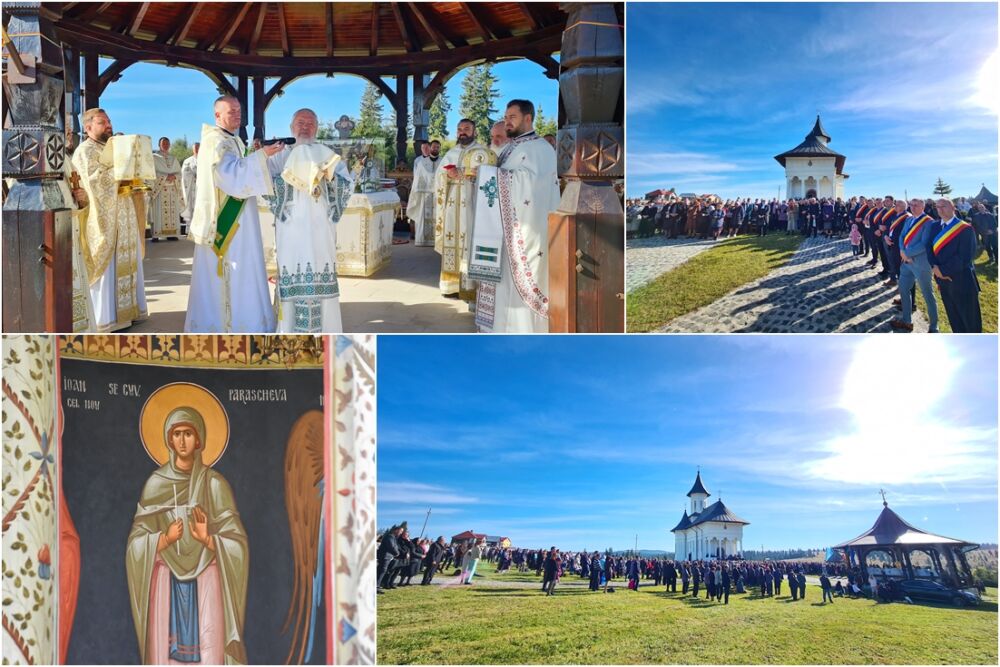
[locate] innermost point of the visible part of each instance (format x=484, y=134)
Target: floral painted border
x=353, y=526
x=198, y=350
x=30, y=544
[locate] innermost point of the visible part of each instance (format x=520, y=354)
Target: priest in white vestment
x=111, y=238
x=73, y=195
x=452, y=223
x=189, y=177
x=498, y=137
x=311, y=187
x=229, y=290
x=519, y=193
x=420, y=205
x=166, y=198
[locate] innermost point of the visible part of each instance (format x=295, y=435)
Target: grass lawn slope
x=490, y=624
x=708, y=277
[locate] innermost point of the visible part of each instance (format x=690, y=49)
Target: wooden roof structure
x=283, y=38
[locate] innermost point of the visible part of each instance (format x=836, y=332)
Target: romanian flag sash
x=880, y=216
x=920, y=222
x=948, y=235
x=226, y=226
x=862, y=212
x=897, y=222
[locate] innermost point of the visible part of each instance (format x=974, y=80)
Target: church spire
x=699, y=486
x=818, y=132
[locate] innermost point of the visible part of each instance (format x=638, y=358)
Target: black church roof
x=986, y=196
x=718, y=511
x=683, y=524
x=698, y=487
x=812, y=146
x=890, y=528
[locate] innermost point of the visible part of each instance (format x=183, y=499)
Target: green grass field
x=487, y=624
x=987, y=297
x=707, y=277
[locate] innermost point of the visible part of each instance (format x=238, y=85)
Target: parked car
x=933, y=591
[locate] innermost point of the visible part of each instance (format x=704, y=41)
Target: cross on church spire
x=884, y=502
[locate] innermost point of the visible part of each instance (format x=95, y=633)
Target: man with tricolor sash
x=895, y=219
x=880, y=224
x=952, y=251
x=229, y=290
x=860, y=213
x=915, y=268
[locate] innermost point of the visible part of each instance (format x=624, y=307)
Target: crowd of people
x=401, y=558
x=216, y=195
x=911, y=244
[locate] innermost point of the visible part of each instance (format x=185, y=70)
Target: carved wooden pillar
x=91, y=81
x=259, y=106
x=37, y=222
x=421, y=116
x=402, y=109
x=74, y=99
x=586, y=234
x=243, y=95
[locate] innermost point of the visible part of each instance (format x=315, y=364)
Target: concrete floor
x=402, y=297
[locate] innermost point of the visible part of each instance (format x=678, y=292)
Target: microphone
x=288, y=141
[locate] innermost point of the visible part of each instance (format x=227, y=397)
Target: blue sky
x=588, y=441
x=907, y=91
x=174, y=102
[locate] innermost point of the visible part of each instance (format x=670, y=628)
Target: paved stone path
x=654, y=256
x=402, y=297
x=822, y=289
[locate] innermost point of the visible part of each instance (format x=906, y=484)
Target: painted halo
x=168, y=398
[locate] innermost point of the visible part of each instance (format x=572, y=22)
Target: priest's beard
x=105, y=136
x=465, y=140
x=305, y=139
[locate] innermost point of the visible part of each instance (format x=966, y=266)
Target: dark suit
x=960, y=290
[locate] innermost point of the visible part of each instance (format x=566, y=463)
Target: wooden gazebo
x=253, y=50
x=268, y=45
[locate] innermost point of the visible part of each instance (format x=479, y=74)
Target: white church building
x=707, y=531
x=813, y=169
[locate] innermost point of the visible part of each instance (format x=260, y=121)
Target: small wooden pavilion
x=894, y=549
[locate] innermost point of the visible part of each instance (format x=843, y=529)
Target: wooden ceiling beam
x=183, y=26
x=234, y=23
x=112, y=73
x=477, y=21
x=86, y=37
x=444, y=30
x=376, y=11
x=405, y=28
x=548, y=63
x=257, y=28
x=92, y=10
x=435, y=35
x=131, y=15
x=286, y=46
x=329, y=28
x=137, y=21
x=529, y=13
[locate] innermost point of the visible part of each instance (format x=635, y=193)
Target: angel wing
x=306, y=518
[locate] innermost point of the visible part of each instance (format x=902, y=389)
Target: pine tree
x=438, y=125
x=478, y=96
x=369, y=124
x=179, y=149
x=543, y=125
x=941, y=188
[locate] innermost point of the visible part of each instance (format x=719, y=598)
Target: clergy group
x=483, y=210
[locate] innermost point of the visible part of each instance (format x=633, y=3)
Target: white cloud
x=421, y=494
